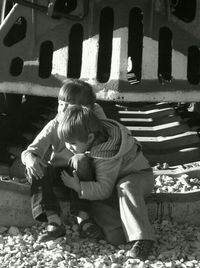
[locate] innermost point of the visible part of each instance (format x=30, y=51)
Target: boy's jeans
x=46, y=192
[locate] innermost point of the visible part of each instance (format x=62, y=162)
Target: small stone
x=120, y=253
x=53, y=244
x=115, y=265
x=142, y=265
x=112, y=258
x=67, y=248
x=88, y=265
x=13, y=231
x=103, y=242
x=75, y=227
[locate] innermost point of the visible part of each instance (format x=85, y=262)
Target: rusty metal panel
x=105, y=51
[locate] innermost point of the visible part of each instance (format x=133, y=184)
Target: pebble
x=13, y=230
x=115, y=265
x=177, y=245
x=179, y=184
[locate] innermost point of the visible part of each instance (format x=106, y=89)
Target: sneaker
x=54, y=231
x=141, y=249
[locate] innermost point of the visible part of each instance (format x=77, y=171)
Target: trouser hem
x=140, y=237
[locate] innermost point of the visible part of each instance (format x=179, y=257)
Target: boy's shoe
x=141, y=249
x=89, y=229
x=54, y=231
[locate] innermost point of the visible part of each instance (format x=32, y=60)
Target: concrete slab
x=15, y=205
x=181, y=207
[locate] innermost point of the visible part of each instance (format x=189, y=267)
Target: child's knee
x=124, y=185
x=83, y=166
x=128, y=187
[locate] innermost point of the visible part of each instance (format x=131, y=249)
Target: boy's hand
x=34, y=166
x=71, y=182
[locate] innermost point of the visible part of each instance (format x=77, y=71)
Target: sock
x=82, y=215
x=54, y=218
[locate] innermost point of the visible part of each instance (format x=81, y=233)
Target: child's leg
x=132, y=191
x=45, y=206
x=137, y=227
x=38, y=211
x=108, y=218
x=81, y=208
x=43, y=199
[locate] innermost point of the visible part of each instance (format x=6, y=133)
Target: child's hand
x=34, y=166
x=71, y=182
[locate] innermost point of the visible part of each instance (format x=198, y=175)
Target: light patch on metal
x=108, y=94
x=59, y=62
x=149, y=58
x=179, y=65
x=29, y=89
x=31, y=63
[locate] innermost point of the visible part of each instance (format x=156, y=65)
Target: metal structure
x=129, y=50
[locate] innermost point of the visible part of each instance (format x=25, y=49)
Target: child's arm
x=41, y=143
x=107, y=172
x=34, y=166
x=32, y=157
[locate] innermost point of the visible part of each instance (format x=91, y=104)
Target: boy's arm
x=41, y=143
x=107, y=172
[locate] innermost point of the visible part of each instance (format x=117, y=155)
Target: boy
x=118, y=161
x=73, y=91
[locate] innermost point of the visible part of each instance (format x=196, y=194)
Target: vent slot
x=45, y=59
x=75, y=51
x=16, y=66
x=135, y=45
x=105, y=44
x=165, y=55
x=193, y=67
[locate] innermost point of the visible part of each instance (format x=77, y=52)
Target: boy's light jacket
x=47, y=141
x=121, y=155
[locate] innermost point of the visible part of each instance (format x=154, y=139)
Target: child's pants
x=46, y=192
x=125, y=211
x=131, y=191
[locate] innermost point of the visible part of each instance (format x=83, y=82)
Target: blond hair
x=76, y=91
x=77, y=123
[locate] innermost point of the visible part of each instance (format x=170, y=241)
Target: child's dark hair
x=77, y=123
x=76, y=91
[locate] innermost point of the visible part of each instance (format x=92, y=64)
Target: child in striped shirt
x=118, y=163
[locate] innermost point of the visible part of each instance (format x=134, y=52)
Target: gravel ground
x=177, y=246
